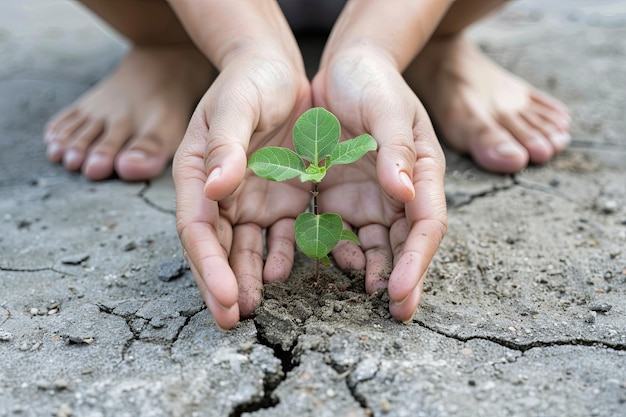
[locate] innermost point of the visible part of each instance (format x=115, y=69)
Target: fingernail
x=507, y=149
x=561, y=140
x=406, y=181
x=213, y=175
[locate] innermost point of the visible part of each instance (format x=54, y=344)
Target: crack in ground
x=288, y=362
x=597, y=146
x=524, y=347
x=269, y=384
x=142, y=194
x=47, y=268
x=360, y=399
x=460, y=199
x=136, y=332
x=541, y=188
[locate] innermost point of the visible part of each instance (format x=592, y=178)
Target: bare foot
x=133, y=121
x=481, y=109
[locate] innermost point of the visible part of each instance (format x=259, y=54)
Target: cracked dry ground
x=523, y=311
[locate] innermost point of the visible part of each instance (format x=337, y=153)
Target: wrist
x=357, y=50
x=398, y=32
x=224, y=29
x=246, y=48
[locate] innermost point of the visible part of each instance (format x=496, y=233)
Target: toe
x=144, y=158
x=77, y=148
x=496, y=150
x=554, y=123
x=100, y=161
x=536, y=143
x=98, y=166
x=57, y=123
x=61, y=134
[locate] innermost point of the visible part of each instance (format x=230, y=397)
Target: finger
x=205, y=239
x=348, y=255
x=405, y=311
x=375, y=244
x=280, y=251
x=226, y=128
x=225, y=318
x=415, y=254
x=424, y=227
x=246, y=259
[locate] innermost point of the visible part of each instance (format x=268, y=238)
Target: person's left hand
x=393, y=198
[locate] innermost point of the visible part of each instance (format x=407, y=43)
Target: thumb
x=228, y=129
x=396, y=155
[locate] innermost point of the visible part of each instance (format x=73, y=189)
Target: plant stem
x=315, y=193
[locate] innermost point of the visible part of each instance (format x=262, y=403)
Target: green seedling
x=316, y=136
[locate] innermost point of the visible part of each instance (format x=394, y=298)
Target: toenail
x=71, y=158
x=135, y=154
x=96, y=158
x=560, y=140
x=507, y=149
x=54, y=150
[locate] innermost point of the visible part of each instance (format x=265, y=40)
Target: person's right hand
x=222, y=209
x=393, y=198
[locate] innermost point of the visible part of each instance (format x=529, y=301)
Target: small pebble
x=591, y=317
x=171, y=270
x=5, y=336
x=79, y=340
x=609, y=207
x=600, y=307
x=131, y=245
x=34, y=311
x=43, y=385
x=75, y=259
x=61, y=384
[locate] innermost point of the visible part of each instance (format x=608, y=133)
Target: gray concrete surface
x=524, y=312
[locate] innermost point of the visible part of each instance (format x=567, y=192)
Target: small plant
x=316, y=142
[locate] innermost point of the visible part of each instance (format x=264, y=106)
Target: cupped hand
x=222, y=209
x=393, y=198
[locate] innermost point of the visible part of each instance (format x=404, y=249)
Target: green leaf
x=352, y=150
x=349, y=235
x=276, y=164
x=317, y=235
x=315, y=134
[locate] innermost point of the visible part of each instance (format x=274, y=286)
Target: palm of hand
x=395, y=197
x=222, y=210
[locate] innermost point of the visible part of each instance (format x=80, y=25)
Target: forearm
x=222, y=29
x=397, y=29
